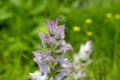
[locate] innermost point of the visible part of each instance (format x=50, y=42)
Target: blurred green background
x=97, y=20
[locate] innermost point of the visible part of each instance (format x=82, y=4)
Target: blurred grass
x=21, y=20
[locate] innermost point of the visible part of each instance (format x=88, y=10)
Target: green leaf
x=4, y=14
x=38, y=6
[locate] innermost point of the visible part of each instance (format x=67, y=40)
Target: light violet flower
x=64, y=65
x=60, y=32
x=36, y=76
x=51, y=78
x=52, y=26
x=47, y=40
x=56, y=31
x=60, y=76
x=41, y=59
x=85, y=51
x=64, y=47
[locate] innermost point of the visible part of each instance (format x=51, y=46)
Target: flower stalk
x=53, y=64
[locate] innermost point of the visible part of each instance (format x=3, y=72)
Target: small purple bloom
x=52, y=26
x=60, y=32
x=41, y=59
x=47, y=40
x=51, y=78
x=64, y=47
x=64, y=66
x=61, y=75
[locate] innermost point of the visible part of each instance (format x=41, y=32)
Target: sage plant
x=53, y=64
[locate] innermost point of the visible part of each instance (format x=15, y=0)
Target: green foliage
x=21, y=20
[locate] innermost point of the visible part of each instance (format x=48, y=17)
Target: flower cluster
x=82, y=59
x=110, y=15
x=53, y=62
x=84, y=52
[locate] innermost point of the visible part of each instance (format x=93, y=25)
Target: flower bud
x=52, y=26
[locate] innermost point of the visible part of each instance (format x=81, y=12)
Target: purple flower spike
x=41, y=59
x=52, y=26
x=53, y=63
x=47, y=40
x=60, y=32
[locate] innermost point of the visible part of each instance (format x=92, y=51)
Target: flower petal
x=47, y=40
x=80, y=74
x=37, y=76
x=60, y=32
x=61, y=75
x=64, y=65
x=52, y=26
x=64, y=47
x=41, y=59
x=37, y=53
x=85, y=51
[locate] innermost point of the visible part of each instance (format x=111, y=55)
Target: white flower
x=36, y=76
x=76, y=58
x=80, y=74
x=85, y=51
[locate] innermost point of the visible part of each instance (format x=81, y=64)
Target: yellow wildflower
x=88, y=20
x=89, y=33
x=109, y=15
x=42, y=29
x=76, y=28
x=117, y=16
